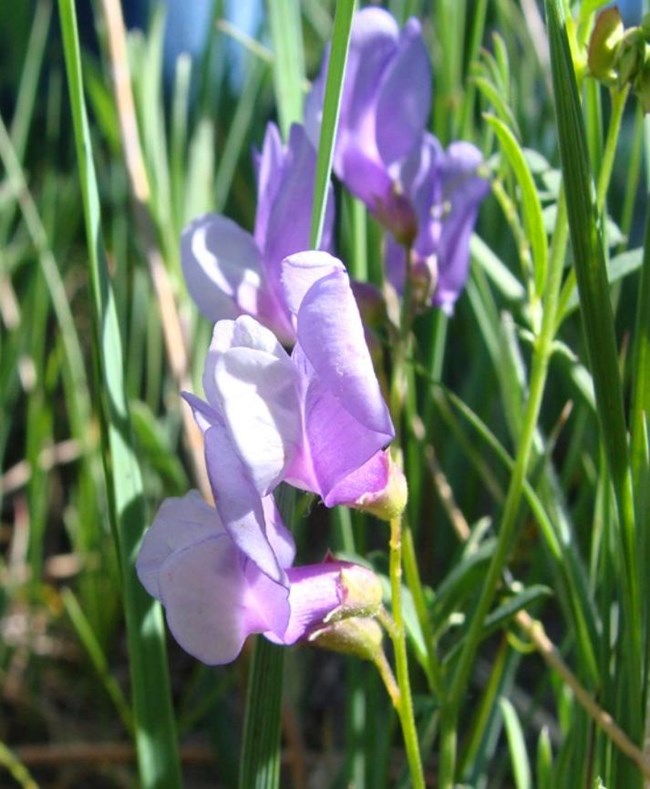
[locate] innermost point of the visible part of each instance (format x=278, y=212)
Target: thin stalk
x=640, y=454
x=405, y=709
x=602, y=346
x=331, y=108
x=474, y=46
x=398, y=401
x=551, y=655
x=434, y=670
x=634, y=169
x=618, y=97
x=288, y=60
x=154, y=716
x=259, y=764
x=175, y=343
x=542, y=351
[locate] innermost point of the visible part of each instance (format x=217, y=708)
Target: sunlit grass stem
x=405, y=710
x=542, y=350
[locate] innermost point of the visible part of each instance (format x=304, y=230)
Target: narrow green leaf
x=531, y=206
x=499, y=274
x=238, y=127
x=155, y=729
x=600, y=339
x=544, y=762
x=639, y=419
x=512, y=605
x=288, y=60
x=16, y=768
x=260, y=755
x=153, y=445
x=97, y=656
x=516, y=745
x=331, y=106
x=260, y=758
x=494, y=97
x=620, y=266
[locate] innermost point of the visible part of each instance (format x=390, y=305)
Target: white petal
x=245, y=332
x=221, y=263
x=179, y=523
x=259, y=401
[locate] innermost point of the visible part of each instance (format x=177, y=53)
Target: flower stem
x=542, y=352
x=388, y=678
x=405, y=708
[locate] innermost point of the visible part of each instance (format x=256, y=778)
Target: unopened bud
x=604, y=44
x=360, y=593
x=390, y=502
x=356, y=636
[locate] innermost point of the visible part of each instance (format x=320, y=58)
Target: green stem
x=405, y=708
x=259, y=764
x=618, y=98
x=541, y=354
x=434, y=671
x=448, y=743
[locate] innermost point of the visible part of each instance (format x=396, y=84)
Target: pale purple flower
x=315, y=419
x=445, y=188
x=384, y=108
x=426, y=198
x=215, y=594
x=230, y=272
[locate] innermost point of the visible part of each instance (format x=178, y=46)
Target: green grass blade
x=531, y=206
x=288, y=60
x=238, y=127
x=516, y=745
x=639, y=419
x=600, y=339
x=331, y=107
x=641, y=370
x=16, y=768
x=97, y=656
x=155, y=729
x=260, y=756
x=26, y=95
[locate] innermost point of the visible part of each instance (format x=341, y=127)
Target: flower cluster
x=313, y=417
x=316, y=419
x=426, y=198
x=215, y=593
x=230, y=272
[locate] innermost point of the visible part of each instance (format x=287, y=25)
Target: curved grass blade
x=531, y=206
x=155, y=729
x=260, y=759
x=260, y=755
x=288, y=60
x=331, y=107
x=516, y=745
x=600, y=339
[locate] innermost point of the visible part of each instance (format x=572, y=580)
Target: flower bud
x=604, y=45
x=360, y=593
x=356, y=636
x=388, y=503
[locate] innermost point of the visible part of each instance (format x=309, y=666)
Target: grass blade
x=155, y=728
x=600, y=339
x=260, y=756
x=516, y=745
x=288, y=60
x=331, y=107
x=531, y=206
